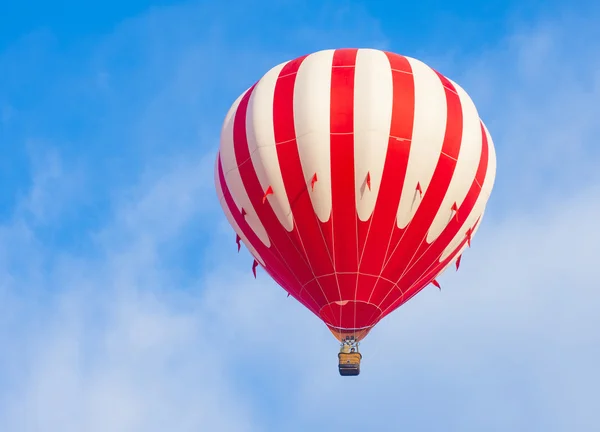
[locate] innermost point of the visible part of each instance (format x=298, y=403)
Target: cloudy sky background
x=124, y=305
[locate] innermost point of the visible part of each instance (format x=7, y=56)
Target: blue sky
x=123, y=305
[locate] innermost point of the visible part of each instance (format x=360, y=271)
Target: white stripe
x=490, y=175
x=373, y=101
x=261, y=141
x=232, y=175
x=312, y=100
x=466, y=165
x=479, y=207
x=429, y=128
x=226, y=148
x=230, y=217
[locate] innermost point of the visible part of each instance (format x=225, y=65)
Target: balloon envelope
x=354, y=177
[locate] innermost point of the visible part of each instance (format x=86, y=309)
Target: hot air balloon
x=354, y=177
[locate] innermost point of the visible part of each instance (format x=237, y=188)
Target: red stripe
x=306, y=235
x=280, y=238
x=437, y=247
x=343, y=213
x=343, y=202
x=435, y=250
x=416, y=278
x=414, y=234
x=275, y=266
x=382, y=222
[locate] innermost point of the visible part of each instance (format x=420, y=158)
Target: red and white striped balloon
x=354, y=177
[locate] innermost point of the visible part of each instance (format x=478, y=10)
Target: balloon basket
x=349, y=357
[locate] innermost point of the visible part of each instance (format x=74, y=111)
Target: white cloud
x=101, y=344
